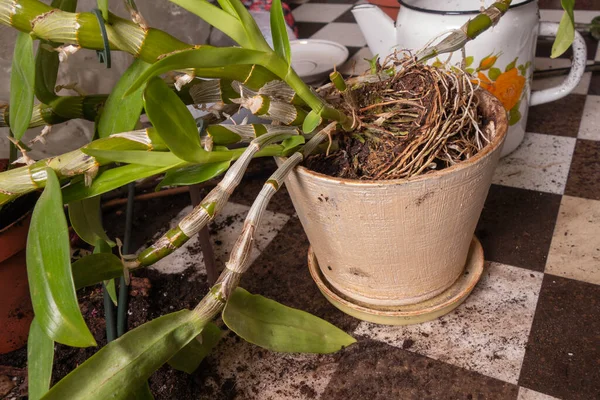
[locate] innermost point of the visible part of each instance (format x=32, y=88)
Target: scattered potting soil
x=152, y=294
x=421, y=119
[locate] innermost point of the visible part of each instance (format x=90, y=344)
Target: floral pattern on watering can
x=506, y=84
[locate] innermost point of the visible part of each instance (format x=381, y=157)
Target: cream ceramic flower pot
x=392, y=243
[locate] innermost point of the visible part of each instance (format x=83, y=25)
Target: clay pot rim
x=20, y=219
x=501, y=129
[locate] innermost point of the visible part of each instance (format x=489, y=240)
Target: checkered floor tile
x=531, y=328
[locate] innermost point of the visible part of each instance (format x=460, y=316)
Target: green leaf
x=469, y=61
x=173, y=121
x=49, y=270
x=494, y=73
x=85, y=217
x=373, y=63
x=40, y=357
x=111, y=289
x=511, y=65
x=121, y=113
x=238, y=10
x=47, y=62
x=281, y=42
x=276, y=327
x=124, y=365
x=46, y=70
x=566, y=29
x=96, y=268
x=109, y=285
x=142, y=393
x=65, y=5
x=222, y=20
x=189, y=358
x=124, y=143
x=514, y=115
x=101, y=246
x=220, y=134
x=291, y=144
x=22, y=77
x=149, y=158
x=209, y=57
x=194, y=174
x=109, y=180
x=103, y=6
x=311, y=122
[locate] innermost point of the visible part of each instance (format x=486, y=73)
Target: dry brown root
x=423, y=118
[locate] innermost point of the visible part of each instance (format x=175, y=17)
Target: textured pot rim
x=501, y=130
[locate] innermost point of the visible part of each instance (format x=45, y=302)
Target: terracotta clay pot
x=390, y=7
x=16, y=311
x=393, y=243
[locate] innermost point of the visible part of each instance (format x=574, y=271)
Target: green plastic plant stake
x=22, y=77
x=189, y=358
x=124, y=365
x=84, y=216
x=276, y=327
x=49, y=271
x=173, y=121
x=121, y=113
x=40, y=357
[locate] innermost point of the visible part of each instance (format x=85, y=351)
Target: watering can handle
x=575, y=74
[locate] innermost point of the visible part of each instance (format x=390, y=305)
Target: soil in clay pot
x=422, y=119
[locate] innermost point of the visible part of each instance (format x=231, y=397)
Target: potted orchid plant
x=452, y=127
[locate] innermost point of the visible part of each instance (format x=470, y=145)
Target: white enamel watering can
x=500, y=58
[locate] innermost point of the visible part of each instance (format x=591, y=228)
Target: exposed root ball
x=421, y=119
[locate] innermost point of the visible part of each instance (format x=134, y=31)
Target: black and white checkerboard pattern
x=531, y=328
